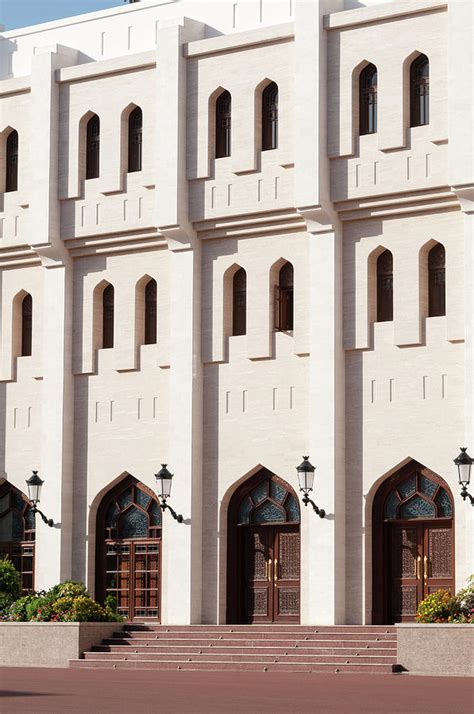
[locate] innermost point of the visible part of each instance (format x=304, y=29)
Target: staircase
x=251, y=648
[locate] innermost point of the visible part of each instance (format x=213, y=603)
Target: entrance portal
x=264, y=552
x=129, y=550
x=413, y=543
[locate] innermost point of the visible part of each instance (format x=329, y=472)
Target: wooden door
x=271, y=574
x=133, y=578
x=420, y=562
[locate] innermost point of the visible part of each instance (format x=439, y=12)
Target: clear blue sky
x=20, y=13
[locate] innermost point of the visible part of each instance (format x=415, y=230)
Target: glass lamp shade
x=464, y=463
x=163, y=482
x=305, y=473
x=34, y=484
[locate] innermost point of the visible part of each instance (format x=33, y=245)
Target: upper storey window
x=270, y=117
x=135, y=124
x=26, y=325
x=239, y=303
x=368, y=100
x=283, y=299
x=223, y=124
x=11, y=168
x=108, y=309
x=420, y=91
x=437, y=281
x=150, y=312
x=93, y=147
x=385, y=287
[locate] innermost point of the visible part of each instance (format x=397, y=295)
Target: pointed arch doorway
x=128, y=562
x=413, y=542
x=263, y=563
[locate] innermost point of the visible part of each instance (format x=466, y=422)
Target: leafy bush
x=10, y=584
x=66, y=602
x=441, y=606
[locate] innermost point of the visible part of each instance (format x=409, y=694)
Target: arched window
x=26, y=325
x=420, y=91
x=437, y=281
x=135, y=123
x=283, y=299
x=108, y=317
x=17, y=533
x=11, y=167
x=239, y=303
x=385, y=287
x=223, y=121
x=368, y=100
x=270, y=117
x=93, y=147
x=150, y=312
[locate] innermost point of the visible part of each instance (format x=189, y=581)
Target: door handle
x=275, y=572
x=418, y=567
x=425, y=567
x=268, y=569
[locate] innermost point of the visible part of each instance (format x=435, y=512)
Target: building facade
x=233, y=234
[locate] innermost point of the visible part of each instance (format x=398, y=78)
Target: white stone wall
x=360, y=398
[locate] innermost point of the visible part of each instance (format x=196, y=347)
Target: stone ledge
x=438, y=649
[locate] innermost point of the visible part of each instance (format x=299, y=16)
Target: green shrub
x=10, y=584
x=439, y=606
x=18, y=611
x=465, y=601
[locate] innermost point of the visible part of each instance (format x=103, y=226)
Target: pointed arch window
x=108, y=308
x=420, y=91
x=368, y=100
x=11, y=167
x=239, y=303
x=385, y=287
x=150, y=312
x=93, y=147
x=135, y=127
x=270, y=117
x=283, y=299
x=17, y=533
x=26, y=326
x=437, y=281
x=223, y=124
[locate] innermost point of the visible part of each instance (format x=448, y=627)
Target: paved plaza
x=64, y=691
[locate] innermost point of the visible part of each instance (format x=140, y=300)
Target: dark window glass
x=368, y=100
x=436, y=281
x=239, y=303
x=420, y=91
x=223, y=122
x=93, y=147
x=150, y=312
x=283, y=299
x=270, y=117
x=17, y=533
x=135, y=122
x=385, y=287
x=11, y=173
x=108, y=317
x=26, y=326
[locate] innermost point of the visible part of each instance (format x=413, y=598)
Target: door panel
x=286, y=576
x=438, y=559
x=405, y=572
x=133, y=578
x=257, y=555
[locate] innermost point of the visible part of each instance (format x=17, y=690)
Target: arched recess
x=220, y=122
x=282, y=279
x=235, y=301
x=128, y=549
x=267, y=114
x=11, y=161
x=146, y=300
x=22, y=323
x=131, y=158
x=367, y=98
x=432, y=278
x=83, y=143
x=412, y=542
x=103, y=300
x=263, y=551
x=17, y=533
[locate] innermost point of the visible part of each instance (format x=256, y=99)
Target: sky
x=21, y=13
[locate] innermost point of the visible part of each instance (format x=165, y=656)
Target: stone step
x=225, y=665
x=367, y=629
x=241, y=657
x=282, y=643
x=251, y=635
x=230, y=649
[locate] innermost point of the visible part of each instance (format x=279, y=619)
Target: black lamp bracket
x=465, y=494
x=320, y=511
x=49, y=521
x=177, y=516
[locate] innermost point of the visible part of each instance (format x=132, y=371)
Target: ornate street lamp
x=163, y=482
x=34, y=484
x=464, y=463
x=305, y=473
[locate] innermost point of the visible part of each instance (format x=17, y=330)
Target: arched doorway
x=128, y=564
x=17, y=533
x=263, y=572
x=413, y=542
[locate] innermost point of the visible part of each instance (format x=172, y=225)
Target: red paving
x=64, y=691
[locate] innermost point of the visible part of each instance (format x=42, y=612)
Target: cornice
x=251, y=225
x=18, y=256
x=113, y=243
x=240, y=40
x=381, y=13
x=440, y=198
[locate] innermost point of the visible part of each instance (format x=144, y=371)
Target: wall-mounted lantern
x=464, y=463
x=305, y=473
x=163, y=486
x=34, y=484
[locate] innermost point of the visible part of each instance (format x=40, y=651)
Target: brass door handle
x=268, y=568
x=275, y=572
x=418, y=567
x=425, y=566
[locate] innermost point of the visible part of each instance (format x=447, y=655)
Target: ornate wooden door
x=286, y=574
x=437, y=558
